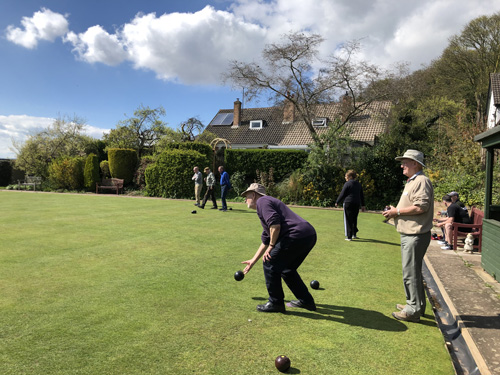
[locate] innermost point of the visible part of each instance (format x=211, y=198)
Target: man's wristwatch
x=399, y=213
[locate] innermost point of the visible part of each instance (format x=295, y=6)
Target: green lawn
x=117, y=285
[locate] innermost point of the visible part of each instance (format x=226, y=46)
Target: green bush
x=91, y=172
x=67, y=173
x=170, y=176
x=122, y=163
x=5, y=172
x=284, y=162
x=104, y=165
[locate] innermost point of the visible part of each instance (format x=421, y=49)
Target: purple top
x=272, y=211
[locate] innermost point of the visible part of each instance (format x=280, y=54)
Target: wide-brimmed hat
x=413, y=155
x=258, y=188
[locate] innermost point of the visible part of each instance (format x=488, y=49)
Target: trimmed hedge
x=202, y=148
x=122, y=163
x=91, y=172
x=5, y=172
x=284, y=162
x=170, y=176
x=67, y=173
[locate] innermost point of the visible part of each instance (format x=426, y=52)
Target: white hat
x=413, y=155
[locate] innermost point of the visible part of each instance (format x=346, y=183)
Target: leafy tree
x=63, y=138
x=141, y=132
x=462, y=71
x=287, y=73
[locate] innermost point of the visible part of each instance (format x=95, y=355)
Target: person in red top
x=287, y=239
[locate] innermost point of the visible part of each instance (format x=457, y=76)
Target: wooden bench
x=30, y=181
x=115, y=184
x=476, y=218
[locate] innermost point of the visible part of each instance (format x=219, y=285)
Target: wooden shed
x=490, y=258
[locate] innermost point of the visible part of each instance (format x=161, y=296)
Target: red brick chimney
x=346, y=106
x=288, y=110
x=237, y=113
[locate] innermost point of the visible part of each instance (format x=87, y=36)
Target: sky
x=100, y=60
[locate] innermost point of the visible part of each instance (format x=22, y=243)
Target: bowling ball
x=315, y=284
x=193, y=212
x=282, y=363
x=239, y=275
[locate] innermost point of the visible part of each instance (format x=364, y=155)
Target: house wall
x=490, y=252
x=493, y=113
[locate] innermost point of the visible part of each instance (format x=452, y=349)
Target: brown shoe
x=400, y=307
x=401, y=315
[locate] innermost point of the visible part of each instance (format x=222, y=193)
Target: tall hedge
x=170, y=176
x=91, y=172
x=202, y=148
x=122, y=163
x=284, y=162
x=67, y=173
x=5, y=172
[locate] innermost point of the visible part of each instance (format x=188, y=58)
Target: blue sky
x=102, y=59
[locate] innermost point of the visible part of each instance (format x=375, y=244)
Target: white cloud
x=192, y=48
x=97, y=45
x=17, y=128
x=44, y=25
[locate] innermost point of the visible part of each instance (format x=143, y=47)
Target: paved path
x=473, y=298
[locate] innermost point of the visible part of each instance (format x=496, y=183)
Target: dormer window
x=256, y=124
x=320, y=122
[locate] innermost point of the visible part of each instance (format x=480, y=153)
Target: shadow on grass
x=353, y=316
x=376, y=241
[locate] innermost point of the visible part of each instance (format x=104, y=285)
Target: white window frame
x=259, y=122
x=320, y=122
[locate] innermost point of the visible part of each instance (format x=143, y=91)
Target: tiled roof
x=364, y=127
x=495, y=88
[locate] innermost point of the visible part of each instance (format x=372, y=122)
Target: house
x=493, y=106
x=280, y=127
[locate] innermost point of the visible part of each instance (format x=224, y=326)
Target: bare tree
x=190, y=129
x=293, y=70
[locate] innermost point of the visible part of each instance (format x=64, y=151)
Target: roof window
x=256, y=124
x=320, y=122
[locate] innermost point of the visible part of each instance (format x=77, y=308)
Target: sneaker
x=197, y=204
x=441, y=242
x=348, y=239
x=271, y=307
x=297, y=303
x=401, y=315
x=447, y=247
x=356, y=238
x=222, y=209
x=202, y=207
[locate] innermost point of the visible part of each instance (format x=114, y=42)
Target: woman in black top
x=352, y=196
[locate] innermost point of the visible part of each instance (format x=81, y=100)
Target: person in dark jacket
x=353, y=198
x=286, y=239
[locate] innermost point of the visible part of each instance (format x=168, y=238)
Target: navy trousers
x=351, y=211
x=286, y=256
x=223, y=194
